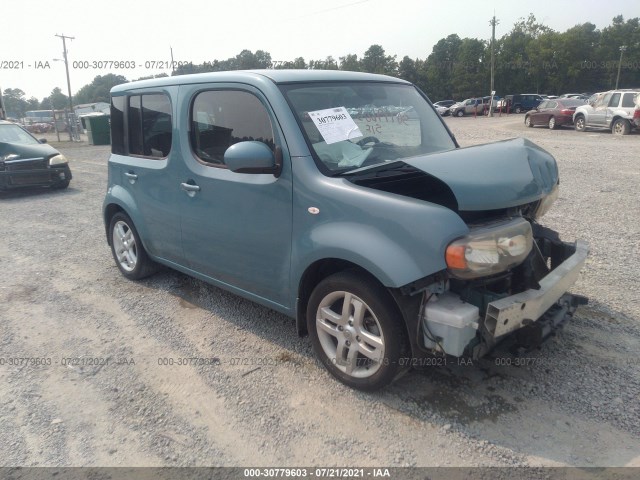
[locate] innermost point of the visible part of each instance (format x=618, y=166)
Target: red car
x=553, y=113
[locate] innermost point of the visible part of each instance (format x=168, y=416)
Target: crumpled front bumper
x=517, y=311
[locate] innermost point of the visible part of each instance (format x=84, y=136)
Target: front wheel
x=126, y=247
x=356, y=330
x=527, y=121
x=518, y=109
x=580, y=125
x=460, y=113
x=620, y=127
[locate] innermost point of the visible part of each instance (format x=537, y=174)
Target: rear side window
x=628, y=100
x=149, y=118
x=221, y=118
x=615, y=100
x=117, y=125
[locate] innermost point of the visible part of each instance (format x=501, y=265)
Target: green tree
x=408, y=69
x=438, y=69
x=14, y=102
x=350, y=63
x=375, y=61
x=470, y=70
x=619, y=34
x=58, y=99
x=98, y=89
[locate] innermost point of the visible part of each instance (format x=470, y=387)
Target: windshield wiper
x=372, y=168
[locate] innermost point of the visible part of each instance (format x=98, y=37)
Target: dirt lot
x=263, y=399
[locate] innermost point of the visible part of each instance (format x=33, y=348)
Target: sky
x=143, y=32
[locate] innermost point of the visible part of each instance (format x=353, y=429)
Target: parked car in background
x=442, y=106
x=467, y=107
x=445, y=103
x=443, y=111
x=553, y=113
x=521, y=102
x=26, y=161
x=613, y=110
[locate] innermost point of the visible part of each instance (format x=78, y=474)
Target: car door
x=236, y=227
x=148, y=169
x=612, y=106
x=536, y=115
x=598, y=117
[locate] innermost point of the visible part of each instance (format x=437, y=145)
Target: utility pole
x=72, y=121
x=493, y=22
x=173, y=67
x=622, y=49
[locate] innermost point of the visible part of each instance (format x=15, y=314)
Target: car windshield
x=351, y=125
x=15, y=134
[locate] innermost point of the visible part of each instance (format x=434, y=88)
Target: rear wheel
x=552, y=123
x=620, y=127
x=356, y=330
x=126, y=247
x=518, y=109
x=580, y=125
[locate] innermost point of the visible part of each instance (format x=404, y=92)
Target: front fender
x=366, y=247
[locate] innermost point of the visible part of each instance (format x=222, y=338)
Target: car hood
x=41, y=150
x=493, y=176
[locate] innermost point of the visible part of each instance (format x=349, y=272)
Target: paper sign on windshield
x=335, y=124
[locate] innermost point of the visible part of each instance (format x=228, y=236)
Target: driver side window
x=221, y=118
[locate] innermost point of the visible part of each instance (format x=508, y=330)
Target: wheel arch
x=323, y=268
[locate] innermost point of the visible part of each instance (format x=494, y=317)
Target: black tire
x=460, y=113
x=61, y=185
x=518, y=109
x=552, y=123
x=380, y=331
x=134, y=263
x=580, y=124
x=528, y=122
x=620, y=127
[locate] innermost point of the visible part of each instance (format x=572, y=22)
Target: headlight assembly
x=490, y=249
x=57, y=160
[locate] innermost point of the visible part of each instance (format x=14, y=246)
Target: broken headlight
x=490, y=249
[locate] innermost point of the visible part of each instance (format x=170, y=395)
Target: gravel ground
x=262, y=399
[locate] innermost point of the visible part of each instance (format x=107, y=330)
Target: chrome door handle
x=131, y=176
x=188, y=187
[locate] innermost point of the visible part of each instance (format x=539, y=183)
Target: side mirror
x=42, y=140
x=253, y=157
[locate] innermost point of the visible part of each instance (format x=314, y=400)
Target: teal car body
x=270, y=219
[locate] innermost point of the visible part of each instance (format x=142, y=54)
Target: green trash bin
x=98, y=129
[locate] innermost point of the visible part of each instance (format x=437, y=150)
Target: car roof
x=255, y=76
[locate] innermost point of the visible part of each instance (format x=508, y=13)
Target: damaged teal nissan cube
x=340, y=199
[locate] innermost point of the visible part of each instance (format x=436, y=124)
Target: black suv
x=521, y=102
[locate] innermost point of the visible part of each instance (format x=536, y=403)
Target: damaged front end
x=505, y=280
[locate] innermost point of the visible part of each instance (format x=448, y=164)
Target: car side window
x=602, y=101
x=221, y=118
x=615, y=100
x=117, y=125
x=150, y=131
x=628, y=99
x=552, y=105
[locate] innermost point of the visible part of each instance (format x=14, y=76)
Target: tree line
x=531, y=58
